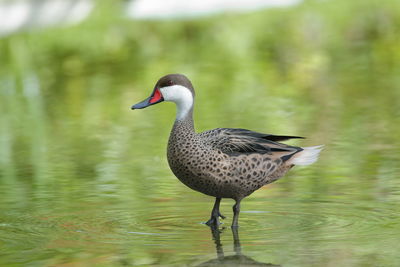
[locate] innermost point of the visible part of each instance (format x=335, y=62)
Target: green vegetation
x=79, y=169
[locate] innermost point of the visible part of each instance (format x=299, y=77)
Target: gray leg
x=236, y=211
x=215, y=214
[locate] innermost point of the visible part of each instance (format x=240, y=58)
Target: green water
x=84, y=180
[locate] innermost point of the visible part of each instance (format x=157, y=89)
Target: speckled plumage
x=223, y=162
x=210, y=163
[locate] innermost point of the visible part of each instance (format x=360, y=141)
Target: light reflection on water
x=275, y=228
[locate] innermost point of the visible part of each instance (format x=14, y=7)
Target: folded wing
x=237, y=141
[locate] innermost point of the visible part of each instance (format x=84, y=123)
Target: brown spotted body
x=223, y=162
x=202, y=166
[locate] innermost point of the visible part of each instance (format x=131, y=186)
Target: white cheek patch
x=181, y=96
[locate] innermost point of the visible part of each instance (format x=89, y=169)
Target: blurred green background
x=84, y=180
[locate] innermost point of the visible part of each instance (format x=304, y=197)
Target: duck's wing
x=234, y=141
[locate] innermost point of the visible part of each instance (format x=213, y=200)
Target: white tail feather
x=308, y=156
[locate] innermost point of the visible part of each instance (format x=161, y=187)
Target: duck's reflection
x=234, y=260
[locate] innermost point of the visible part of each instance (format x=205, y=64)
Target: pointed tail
x=307, y=156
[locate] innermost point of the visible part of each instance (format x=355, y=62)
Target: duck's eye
x=170, y=83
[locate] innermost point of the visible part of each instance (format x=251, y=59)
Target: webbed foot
x=215, y=214
x=214, y=220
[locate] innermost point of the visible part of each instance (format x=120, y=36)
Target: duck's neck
x=184, y=122
x=184, y=107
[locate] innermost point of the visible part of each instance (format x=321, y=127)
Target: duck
x=222, y=162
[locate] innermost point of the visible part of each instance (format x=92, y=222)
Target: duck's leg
x=236, y=211
x=215, y=214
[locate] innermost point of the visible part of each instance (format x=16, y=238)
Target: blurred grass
x=328, y=68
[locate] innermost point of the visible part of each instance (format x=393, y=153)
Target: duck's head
x=174, y=88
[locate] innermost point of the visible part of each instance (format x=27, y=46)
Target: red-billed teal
x=223, y=162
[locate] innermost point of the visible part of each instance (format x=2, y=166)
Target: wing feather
x=235, y=140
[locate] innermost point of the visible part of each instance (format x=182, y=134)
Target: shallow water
x=85, y=182
x=132, y=211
